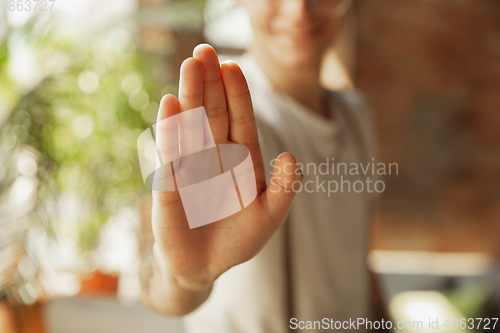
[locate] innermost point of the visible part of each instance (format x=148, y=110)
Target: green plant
x=68, y=129
x=80, y=125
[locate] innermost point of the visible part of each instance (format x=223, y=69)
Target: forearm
x=162, y=293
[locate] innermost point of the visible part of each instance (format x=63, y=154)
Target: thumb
x=282, y=188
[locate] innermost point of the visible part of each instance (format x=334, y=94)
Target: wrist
x=198, y=282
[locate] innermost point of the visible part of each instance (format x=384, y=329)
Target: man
x=273, y=264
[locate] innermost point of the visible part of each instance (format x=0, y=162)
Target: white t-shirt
x=314, y=267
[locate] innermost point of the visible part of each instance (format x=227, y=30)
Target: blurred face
x=294, y=32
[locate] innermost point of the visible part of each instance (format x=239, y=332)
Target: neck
x=301, y=83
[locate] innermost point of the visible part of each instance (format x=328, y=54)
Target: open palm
x=196, y=257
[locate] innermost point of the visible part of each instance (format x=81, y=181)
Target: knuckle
x=194, y=95
x=167, y=200
x=246, y=91
x=216, y=111
x=244, y=120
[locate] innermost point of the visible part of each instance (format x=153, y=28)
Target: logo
x=179, y=154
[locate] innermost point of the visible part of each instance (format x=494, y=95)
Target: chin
x=302, y=59
x=300, y=54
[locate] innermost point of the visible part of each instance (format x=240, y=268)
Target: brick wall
x=431, y=72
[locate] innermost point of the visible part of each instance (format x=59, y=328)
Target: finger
x=214, y=96
x=167, y=129
x=168, y=211
x=191, y=129
x=242, y=127
x=281, y=190
x=167, y=145
x=191, y=84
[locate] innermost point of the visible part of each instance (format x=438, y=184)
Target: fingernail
x=230, y=62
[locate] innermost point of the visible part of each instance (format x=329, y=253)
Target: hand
x=194, y=258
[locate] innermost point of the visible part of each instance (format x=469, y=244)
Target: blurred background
x=81, y=80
